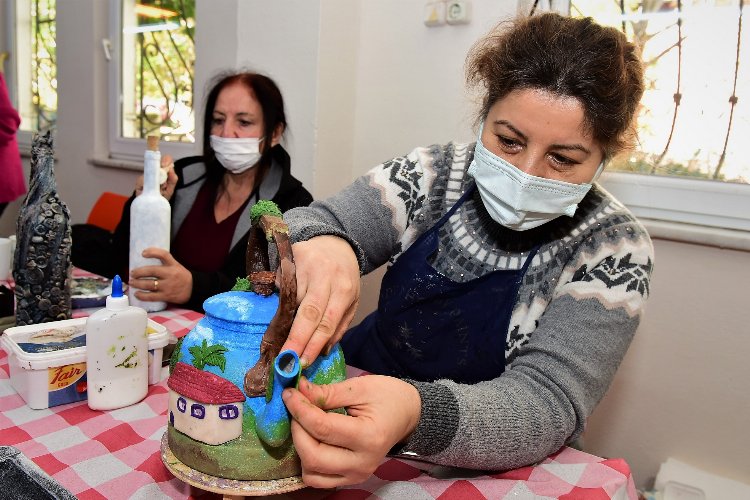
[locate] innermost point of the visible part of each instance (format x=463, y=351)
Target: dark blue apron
x=428, y=326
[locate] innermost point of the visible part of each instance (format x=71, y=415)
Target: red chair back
x=107, y=211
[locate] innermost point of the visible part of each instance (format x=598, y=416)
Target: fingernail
x=327, y=350
x=286, y=394
x=303, y=363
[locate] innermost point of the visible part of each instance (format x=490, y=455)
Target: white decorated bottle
x=150, y=215
x=116, y=353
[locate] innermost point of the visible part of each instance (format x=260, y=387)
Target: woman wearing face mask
x=242, y=162
x=515, y=283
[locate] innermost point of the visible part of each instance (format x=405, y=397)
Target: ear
x=276, y=137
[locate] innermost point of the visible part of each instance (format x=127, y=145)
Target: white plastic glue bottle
x=116, y=353
x=150, y=218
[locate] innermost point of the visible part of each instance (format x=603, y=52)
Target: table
x=116, y=454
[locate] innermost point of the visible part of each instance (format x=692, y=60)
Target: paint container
x=47, y=361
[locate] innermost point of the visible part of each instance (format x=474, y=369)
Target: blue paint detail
x=198, y=411
x=272, y=424
x=237, y=320
x=171, y=418
x=181, y=404
x=228, y=412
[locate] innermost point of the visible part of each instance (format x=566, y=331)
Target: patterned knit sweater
x=576, y=312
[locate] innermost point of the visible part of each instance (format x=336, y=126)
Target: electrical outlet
x=434, y=14
x=458, y=12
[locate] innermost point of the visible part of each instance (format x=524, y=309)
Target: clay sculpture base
x=229, y=488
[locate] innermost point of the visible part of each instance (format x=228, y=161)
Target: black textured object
x=22, y=479
x=41, y=264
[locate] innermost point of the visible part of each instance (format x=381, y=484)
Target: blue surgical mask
x=520, y=201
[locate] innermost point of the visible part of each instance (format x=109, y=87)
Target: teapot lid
x=242, y=307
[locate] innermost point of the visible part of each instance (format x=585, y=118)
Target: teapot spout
x=272, y=423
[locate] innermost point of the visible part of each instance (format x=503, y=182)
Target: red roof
x=202, y=386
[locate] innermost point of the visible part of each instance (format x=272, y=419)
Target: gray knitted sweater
x=576, y=312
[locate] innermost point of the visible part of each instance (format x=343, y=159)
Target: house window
x=181, y=404
x=198, y=411
x=31, y=67
x=228, y=412
x=152, y=76
x=690, y=164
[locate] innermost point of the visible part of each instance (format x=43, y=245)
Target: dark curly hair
x=570, y=58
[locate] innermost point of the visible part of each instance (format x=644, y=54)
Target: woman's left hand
x=171, y=281
x=337, y=449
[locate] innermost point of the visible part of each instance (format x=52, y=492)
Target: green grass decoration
x=243, y=285
x=264, y=207
x=176, y=355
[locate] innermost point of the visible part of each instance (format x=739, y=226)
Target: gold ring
x=156, y=285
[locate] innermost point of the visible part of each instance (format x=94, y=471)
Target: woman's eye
x=217, y=121
x=508, y=142
x=245, y=123
x=562, y=161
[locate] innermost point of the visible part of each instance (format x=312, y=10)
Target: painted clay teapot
x=226, y=416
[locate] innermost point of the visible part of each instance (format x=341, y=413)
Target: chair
x=107, y=211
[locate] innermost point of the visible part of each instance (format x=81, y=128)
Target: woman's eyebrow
x=512, y=128
x=565, y=147
x=571, y=147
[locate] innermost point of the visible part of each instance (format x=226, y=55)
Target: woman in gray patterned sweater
x=514, y=285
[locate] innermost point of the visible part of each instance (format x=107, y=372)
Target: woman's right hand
x=328, y=288
x=167, y=187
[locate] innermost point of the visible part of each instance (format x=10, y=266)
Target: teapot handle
x=271, y=228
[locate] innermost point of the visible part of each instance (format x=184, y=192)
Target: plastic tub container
x=48, y=361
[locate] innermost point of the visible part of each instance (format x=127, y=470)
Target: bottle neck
x=151, y=166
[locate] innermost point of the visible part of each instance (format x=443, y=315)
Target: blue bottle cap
x=117, y=286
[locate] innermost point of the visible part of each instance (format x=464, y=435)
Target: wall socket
x=458, y=11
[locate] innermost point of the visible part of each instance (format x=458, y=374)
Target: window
x=181, y=404
x=228, y=412
x=152, y=75
x=198, y=411
x=31, y=69
x=690, y=164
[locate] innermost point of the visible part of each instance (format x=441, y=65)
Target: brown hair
x=568, y=57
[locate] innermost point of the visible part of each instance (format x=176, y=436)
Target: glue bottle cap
x=117, y=300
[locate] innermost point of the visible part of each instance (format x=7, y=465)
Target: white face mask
x=520, y=201
x=236, y=154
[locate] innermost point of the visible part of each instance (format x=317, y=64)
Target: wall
x=365, y=81
x=682, y=390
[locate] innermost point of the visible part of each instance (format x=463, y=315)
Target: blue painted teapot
x=226, y=415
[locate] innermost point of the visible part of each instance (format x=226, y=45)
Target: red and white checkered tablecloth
x=116, y=455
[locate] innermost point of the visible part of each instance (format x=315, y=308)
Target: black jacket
x=278, y=185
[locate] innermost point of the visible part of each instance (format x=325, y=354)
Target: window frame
x=23, y=137
x=698, y=202
x=122, y=148
x=701, y=203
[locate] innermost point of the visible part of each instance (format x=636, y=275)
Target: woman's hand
x=171, y=282
x=328, y=294
x=336, y=449
x=167, y=187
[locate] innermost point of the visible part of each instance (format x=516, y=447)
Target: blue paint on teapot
x=273, y=422
x=226, y=342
